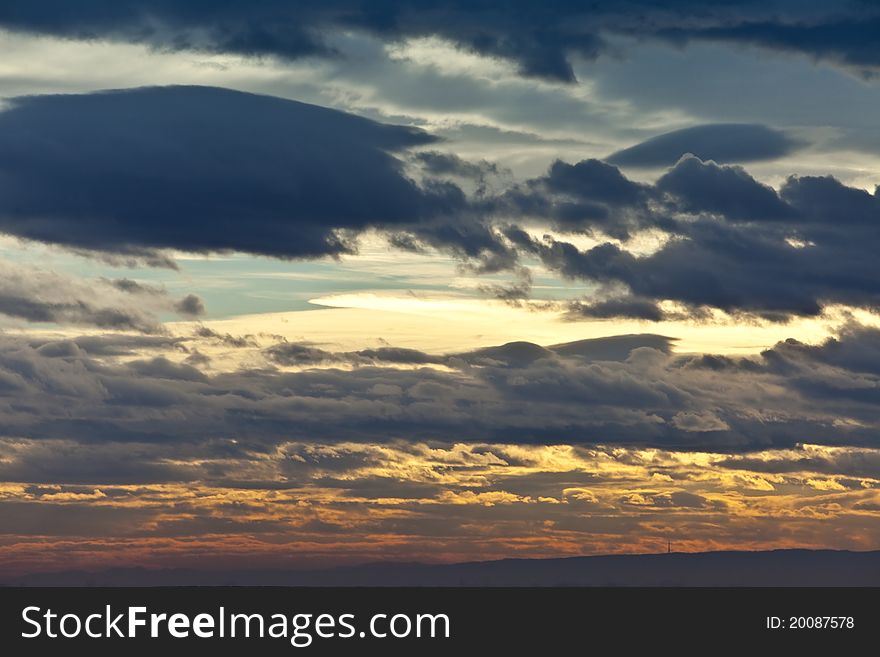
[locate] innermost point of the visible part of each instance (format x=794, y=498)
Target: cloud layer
x=355, y=502
x=541, y=39
x=204, y=170
x=628, y=390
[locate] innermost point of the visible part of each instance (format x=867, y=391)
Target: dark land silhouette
x=775, y=568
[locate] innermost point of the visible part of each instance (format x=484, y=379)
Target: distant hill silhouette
x=728, y=569
x=616, y=347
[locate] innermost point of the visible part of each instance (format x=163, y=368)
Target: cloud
x=203, y=169
x=602, y=439
x=700, y=421
x=824, y=199
x=362, y=501
x=595, y=181
x=729, y=191
x=541, y=40
x=588, y=195
x=630, y=307
x=438, y=163
x=300, y=354
x=628, y=390
x=704, y=270
x=228, y=339
x=38, y=295
x=305, y=355
x=836, y=37
x=182, y=163
x=190, y=305
x=730, y=242
x=721, y=142
x=107, y=345
x=855, y=348
x=850, y=464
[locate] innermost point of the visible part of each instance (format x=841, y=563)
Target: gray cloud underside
x=540, y=38
x=628, y=390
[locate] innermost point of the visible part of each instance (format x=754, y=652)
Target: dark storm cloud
x=203, y=169
x=706, y=187
x=732, y=243
x=721, y=142
x=856, y=349
x=584, y=196
x=824, y=199
x=541, y=38
x=468, y=237
x=716, y=266
x=595, y=181
x=850, y=40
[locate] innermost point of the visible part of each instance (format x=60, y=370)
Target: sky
x=300, y=284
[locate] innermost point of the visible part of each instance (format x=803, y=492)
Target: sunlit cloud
x=348, y=502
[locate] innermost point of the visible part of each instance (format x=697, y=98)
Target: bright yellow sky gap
x=443, y=324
